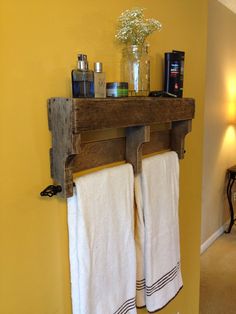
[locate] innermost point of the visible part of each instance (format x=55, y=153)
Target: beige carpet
x=218, y=276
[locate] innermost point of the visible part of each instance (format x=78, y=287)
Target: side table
x=231, y=178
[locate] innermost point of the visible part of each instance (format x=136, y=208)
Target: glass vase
x=135, y=69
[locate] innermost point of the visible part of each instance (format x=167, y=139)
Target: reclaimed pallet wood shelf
x=90, y=132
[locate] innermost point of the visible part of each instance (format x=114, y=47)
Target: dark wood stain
x=88, y=133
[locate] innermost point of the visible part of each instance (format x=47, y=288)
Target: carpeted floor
x=218, y=276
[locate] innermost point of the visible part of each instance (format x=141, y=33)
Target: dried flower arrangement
x=133, y=28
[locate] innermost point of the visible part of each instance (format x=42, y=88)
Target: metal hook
x=51, y=190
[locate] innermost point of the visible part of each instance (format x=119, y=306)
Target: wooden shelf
x=90, y=132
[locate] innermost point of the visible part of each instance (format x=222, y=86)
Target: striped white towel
x=158, y=255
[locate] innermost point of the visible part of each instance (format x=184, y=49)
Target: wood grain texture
x=82, y=135
x=116, y=113
x=178, y=132
x=135, y=137
x=64, y=143
x=159, y=141
x=96, y=154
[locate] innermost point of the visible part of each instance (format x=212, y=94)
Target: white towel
x=101, y=241
x=158, y=270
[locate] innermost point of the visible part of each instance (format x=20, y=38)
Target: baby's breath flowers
x=133, y=28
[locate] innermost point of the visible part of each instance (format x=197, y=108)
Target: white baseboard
x=212, y=238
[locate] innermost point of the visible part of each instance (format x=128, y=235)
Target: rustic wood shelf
x=90, y=132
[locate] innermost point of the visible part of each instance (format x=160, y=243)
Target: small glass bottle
x=99, y=81
x=135, y=69
x=82, y=79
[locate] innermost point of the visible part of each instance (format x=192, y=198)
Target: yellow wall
x=39, y=41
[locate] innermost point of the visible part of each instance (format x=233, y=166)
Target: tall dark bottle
x=82, y=79
x=181, y=56
x=172, y=81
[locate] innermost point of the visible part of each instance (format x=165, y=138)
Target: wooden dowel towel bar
x=90, y=132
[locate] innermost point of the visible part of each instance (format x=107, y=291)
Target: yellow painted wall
x=39, y=41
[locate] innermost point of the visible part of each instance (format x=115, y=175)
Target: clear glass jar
x=135, y=69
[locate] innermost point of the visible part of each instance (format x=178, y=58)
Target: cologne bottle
x=182, y=55
x=82, y=79
x=99, y=81
x=172, y=82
